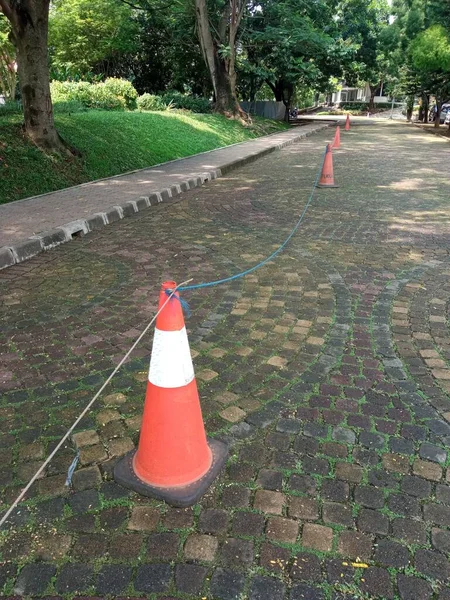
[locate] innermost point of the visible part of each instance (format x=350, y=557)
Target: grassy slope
x=111, y=143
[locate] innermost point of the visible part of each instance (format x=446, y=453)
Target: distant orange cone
x=174, y=460
x=337, y=138
x=327, y=177
x=347, y=123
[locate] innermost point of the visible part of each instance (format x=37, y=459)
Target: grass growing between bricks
x=112, y=143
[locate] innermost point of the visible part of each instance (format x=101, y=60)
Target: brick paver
x=337, y=485
x=40, y=223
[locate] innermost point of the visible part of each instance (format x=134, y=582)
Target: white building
x=362, y=94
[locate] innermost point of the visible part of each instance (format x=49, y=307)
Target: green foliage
x=183, y=101
x=104, y=98
x=289, y=45
x=173, y=100
x=90, y=35
x=303, y=98
x=423, y=38
x=112, y=143
x=168, y=54
x=122, y=89
x=430, y=50
x=8, y=79
x=355, y=106
x=69, y=91
x=151, y=102
x=113, y=94
x=363, y=23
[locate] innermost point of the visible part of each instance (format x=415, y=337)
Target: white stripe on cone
x=171, y=363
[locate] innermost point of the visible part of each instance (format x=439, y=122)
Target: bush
x=151, y=102
x=70, y=91
x=354, y=106
x=195, y=104
x=383, y=105
x=102, y=97
x=90, y=95
x=122, y=89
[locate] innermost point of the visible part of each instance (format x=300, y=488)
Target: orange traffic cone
x=347, y=123
x=174, y=460
x=337, y=138
x=327, y=177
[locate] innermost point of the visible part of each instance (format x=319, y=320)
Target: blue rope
x=72, y=468
x=266, y=260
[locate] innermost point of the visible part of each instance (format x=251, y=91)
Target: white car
x=447, y=119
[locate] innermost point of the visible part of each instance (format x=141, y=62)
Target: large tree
x=423, y=32
x=364, y=22
x=218, y=25
x=291, y=45
x=430, y=54
x=29, y=34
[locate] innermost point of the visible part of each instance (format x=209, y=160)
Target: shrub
x=102, y=97
x=383, y=105
x=354, y=106
x=150, y=102
x=90, y=95
x=195, y=104
x=122, y=88
x=70, y=91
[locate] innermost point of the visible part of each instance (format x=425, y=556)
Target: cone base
x=180, y=496
x=325, y=185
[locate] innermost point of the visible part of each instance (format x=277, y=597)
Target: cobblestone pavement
x=326, y=370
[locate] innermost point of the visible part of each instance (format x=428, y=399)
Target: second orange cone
x=337, y=139
x=327, y=176
x=174, y=461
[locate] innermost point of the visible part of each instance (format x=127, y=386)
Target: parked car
x=447, y=118
x=445, y=108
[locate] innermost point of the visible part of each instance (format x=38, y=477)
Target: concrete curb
x=46, y=240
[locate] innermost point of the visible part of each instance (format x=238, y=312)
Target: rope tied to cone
x=198, y=286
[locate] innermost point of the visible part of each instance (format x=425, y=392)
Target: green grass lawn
x=111, y=143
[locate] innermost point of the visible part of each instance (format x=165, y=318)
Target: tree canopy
x=90, y=36
x=227, y=49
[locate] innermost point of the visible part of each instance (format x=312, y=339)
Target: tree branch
x=147, y=8
x=7, y=10
x=222, y=27
x=133, y=5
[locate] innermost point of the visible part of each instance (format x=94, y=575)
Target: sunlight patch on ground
x=409, y=184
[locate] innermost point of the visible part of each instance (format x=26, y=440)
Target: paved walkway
x=35, y=224
x=327, y=371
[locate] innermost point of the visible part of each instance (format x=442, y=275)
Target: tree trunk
x=29, y=20
x=437, y=121
x=221, y=69
x=226, y=101
x=373, y=89
x=277, y=90
x=283, y=92
x=426, y=107
x=420, y=115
